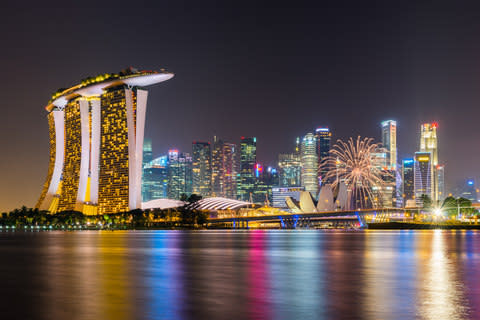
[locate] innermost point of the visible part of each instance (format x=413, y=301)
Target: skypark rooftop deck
x=94, y=86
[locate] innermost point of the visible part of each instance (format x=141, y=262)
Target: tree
x=138, y=218
x=201, y=217
x=454, y=207
x=465, y=206
x=426, y=200
x=194, y=198
x=450, y=206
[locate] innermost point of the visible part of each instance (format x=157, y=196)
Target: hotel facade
x=96, y=131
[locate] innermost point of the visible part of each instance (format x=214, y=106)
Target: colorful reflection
x=87, y=276
x=387, y=256
x=161, y=275
x=114, y=279
x=342, y=276
x=441, y=294
x=297, y=275
x=241, y=275
x=469, y=258
x=258, y=277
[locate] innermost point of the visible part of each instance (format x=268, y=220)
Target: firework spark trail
x=353, y=163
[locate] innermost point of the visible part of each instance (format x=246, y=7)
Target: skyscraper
x=179, y=174
x=229, y=170
x=408, y=177
x=248, y=159
x=309, y=159
x=147, y=158
x=154, y=175
x=289, y=170
x=385, y=193
x=261, y=189
x=155, y=179
x=297, y=145
x=323, y=137
x=224, y=175
x=265, y=179
x=428, y=140
x=217, y=167
x=389, y=142
x=147, y=151
x=429, y=143
x=440, y=175
x=201, y=168
x=96, y=139
x=423, y=179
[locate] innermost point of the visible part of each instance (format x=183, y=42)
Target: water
x=240, y=275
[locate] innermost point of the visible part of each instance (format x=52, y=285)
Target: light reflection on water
x=240, y=275
x=441, y=295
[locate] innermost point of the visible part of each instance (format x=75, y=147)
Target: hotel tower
x=96, y=143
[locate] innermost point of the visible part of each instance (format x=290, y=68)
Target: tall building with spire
x=429, y=143
x=428, y=140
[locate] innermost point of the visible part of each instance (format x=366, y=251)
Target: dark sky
x=272, y=70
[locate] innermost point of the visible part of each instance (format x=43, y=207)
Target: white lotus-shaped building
x=327, y=200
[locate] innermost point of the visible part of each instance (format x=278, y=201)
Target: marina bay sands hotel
x=96, y=143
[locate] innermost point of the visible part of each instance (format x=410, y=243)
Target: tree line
x=174, y=218
x=451, y=206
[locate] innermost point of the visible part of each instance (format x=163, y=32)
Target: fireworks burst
x=354, y=163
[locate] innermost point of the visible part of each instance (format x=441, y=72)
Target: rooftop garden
x=126, y=73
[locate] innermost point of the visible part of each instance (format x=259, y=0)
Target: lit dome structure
x=217, y=203
x=162, y=204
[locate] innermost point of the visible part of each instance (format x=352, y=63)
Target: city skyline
x=97, y=147
x=240, y=160
x=236, y=76
x=292, y=169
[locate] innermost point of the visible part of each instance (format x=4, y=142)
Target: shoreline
x=420, y=226
x=371, y=226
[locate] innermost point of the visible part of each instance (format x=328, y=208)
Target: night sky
x=274, y=71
